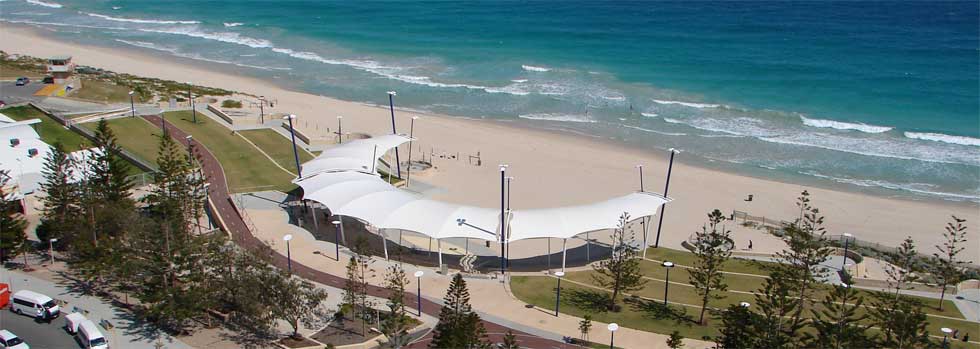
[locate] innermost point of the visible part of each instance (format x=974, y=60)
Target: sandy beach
x=551, y=168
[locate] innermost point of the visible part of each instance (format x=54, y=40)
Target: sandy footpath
x=551, y=168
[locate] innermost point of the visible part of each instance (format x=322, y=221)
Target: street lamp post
x=640, y=167
x=559, y=274
x=190, y=98
x=391, y=105
x=411, y=141
x=612, y=333
x=262, y=109
x=292, y=134
x=503, y=176
x=418, y=278
x=51, y=248
x=340, y=129
x=506, y=247
x=668, y=266
x=132, y=104
x=289, y=257
x=670, y=166
x=847, y=240
x=336, y=236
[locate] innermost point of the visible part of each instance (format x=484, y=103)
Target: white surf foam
x=45, y=4
x=46, y=24
x=920, y=188
x=840, y=125
x=558, y=117
x=655, y=131
x=519, y=80
x=535, y=68
x=175, y=52
x=137, y=20
x=650, y=115
x=116, y=7
x=687, y=104
x=232, y=24
x=614, y=98
x=228, y=37
x=939, y=137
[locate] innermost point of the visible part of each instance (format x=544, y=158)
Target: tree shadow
x=588, y=300
x=656, y=310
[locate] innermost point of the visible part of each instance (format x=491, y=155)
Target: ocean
x=880, y=97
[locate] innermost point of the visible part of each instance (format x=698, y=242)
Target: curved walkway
x=235, y=225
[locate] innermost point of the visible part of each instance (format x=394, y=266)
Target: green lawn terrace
x=51, y=131
x=135, y=135
x=246, y=168
x=644, y=309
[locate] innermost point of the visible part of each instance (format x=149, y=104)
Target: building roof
x=342, y=179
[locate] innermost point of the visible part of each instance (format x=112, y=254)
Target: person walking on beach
x=750, y=244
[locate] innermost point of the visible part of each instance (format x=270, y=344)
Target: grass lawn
x=277, y=146
x=104, y=92
x=135, y=135
x=246, y=169
x=50, y=131
x=652, y=316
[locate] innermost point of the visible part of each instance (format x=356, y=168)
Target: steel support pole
x=663, y=207
x=292, y=134
x=391, y=105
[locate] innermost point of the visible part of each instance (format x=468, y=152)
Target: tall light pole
x=336, y=237
x=190, y=98
x=261, y=109
x=612, y=333
x=663, y=207
x=51, y=248
x=289, y=257
x=506, y=247
x=503, y=176
x=509, y=179
x=411, y=140
x=132, y=104
x=559, y=274
x=946, y=331
x=340, y=129
x=391, y=105
x=418, y=279
x=640, y=167
x=292, y=134
x=847, y=240
x=667, y=266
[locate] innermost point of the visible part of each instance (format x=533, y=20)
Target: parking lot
x=10, y=93
x=38, y=335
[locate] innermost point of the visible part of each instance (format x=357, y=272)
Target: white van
x=8, y=340
x=34, y=304
x=90, y=336
x=72, y=321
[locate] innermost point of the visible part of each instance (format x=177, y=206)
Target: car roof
x=90, y=328
x=7, y=334
x=32, y=294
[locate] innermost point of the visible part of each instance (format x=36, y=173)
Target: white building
x=22, y=154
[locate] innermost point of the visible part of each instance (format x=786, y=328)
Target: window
x=14, y=341
x=23, y=302
x=49, y=304
x=97, y=342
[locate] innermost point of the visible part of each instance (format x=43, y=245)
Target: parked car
x=34, y=304
x=21, y=81
x=9, y=340
x=48, y=80
x=90, y=336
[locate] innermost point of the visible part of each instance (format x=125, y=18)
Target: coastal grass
x=102, y=92
x=245, y=168
x=136, y=135
x=277, y=146
x=51, y=131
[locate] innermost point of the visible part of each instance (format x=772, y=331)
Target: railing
x=765, y=221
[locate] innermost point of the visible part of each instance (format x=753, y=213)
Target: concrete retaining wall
x=221, y=114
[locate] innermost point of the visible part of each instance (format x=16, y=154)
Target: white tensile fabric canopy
x=343, y=178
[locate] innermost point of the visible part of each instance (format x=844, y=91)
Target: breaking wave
x=840, y=125
x=939, y=137
x=137, y=20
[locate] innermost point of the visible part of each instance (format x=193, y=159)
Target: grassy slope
x=650, y=316
x=99, y=91
x=135, y=135
x=277, y=146
x=51, y=131
x=246, y=169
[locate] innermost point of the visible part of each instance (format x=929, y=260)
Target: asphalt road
x=11, y=93
x=38, y=335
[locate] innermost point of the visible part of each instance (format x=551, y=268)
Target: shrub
x=229, y=103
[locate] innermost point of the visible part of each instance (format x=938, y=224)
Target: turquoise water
x=875, y=96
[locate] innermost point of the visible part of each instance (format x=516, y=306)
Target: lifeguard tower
x=61, y=69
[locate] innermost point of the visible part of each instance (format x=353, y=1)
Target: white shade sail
x=341, y=179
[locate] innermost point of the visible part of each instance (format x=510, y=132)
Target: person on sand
x=750, y=244
x=966, y=337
